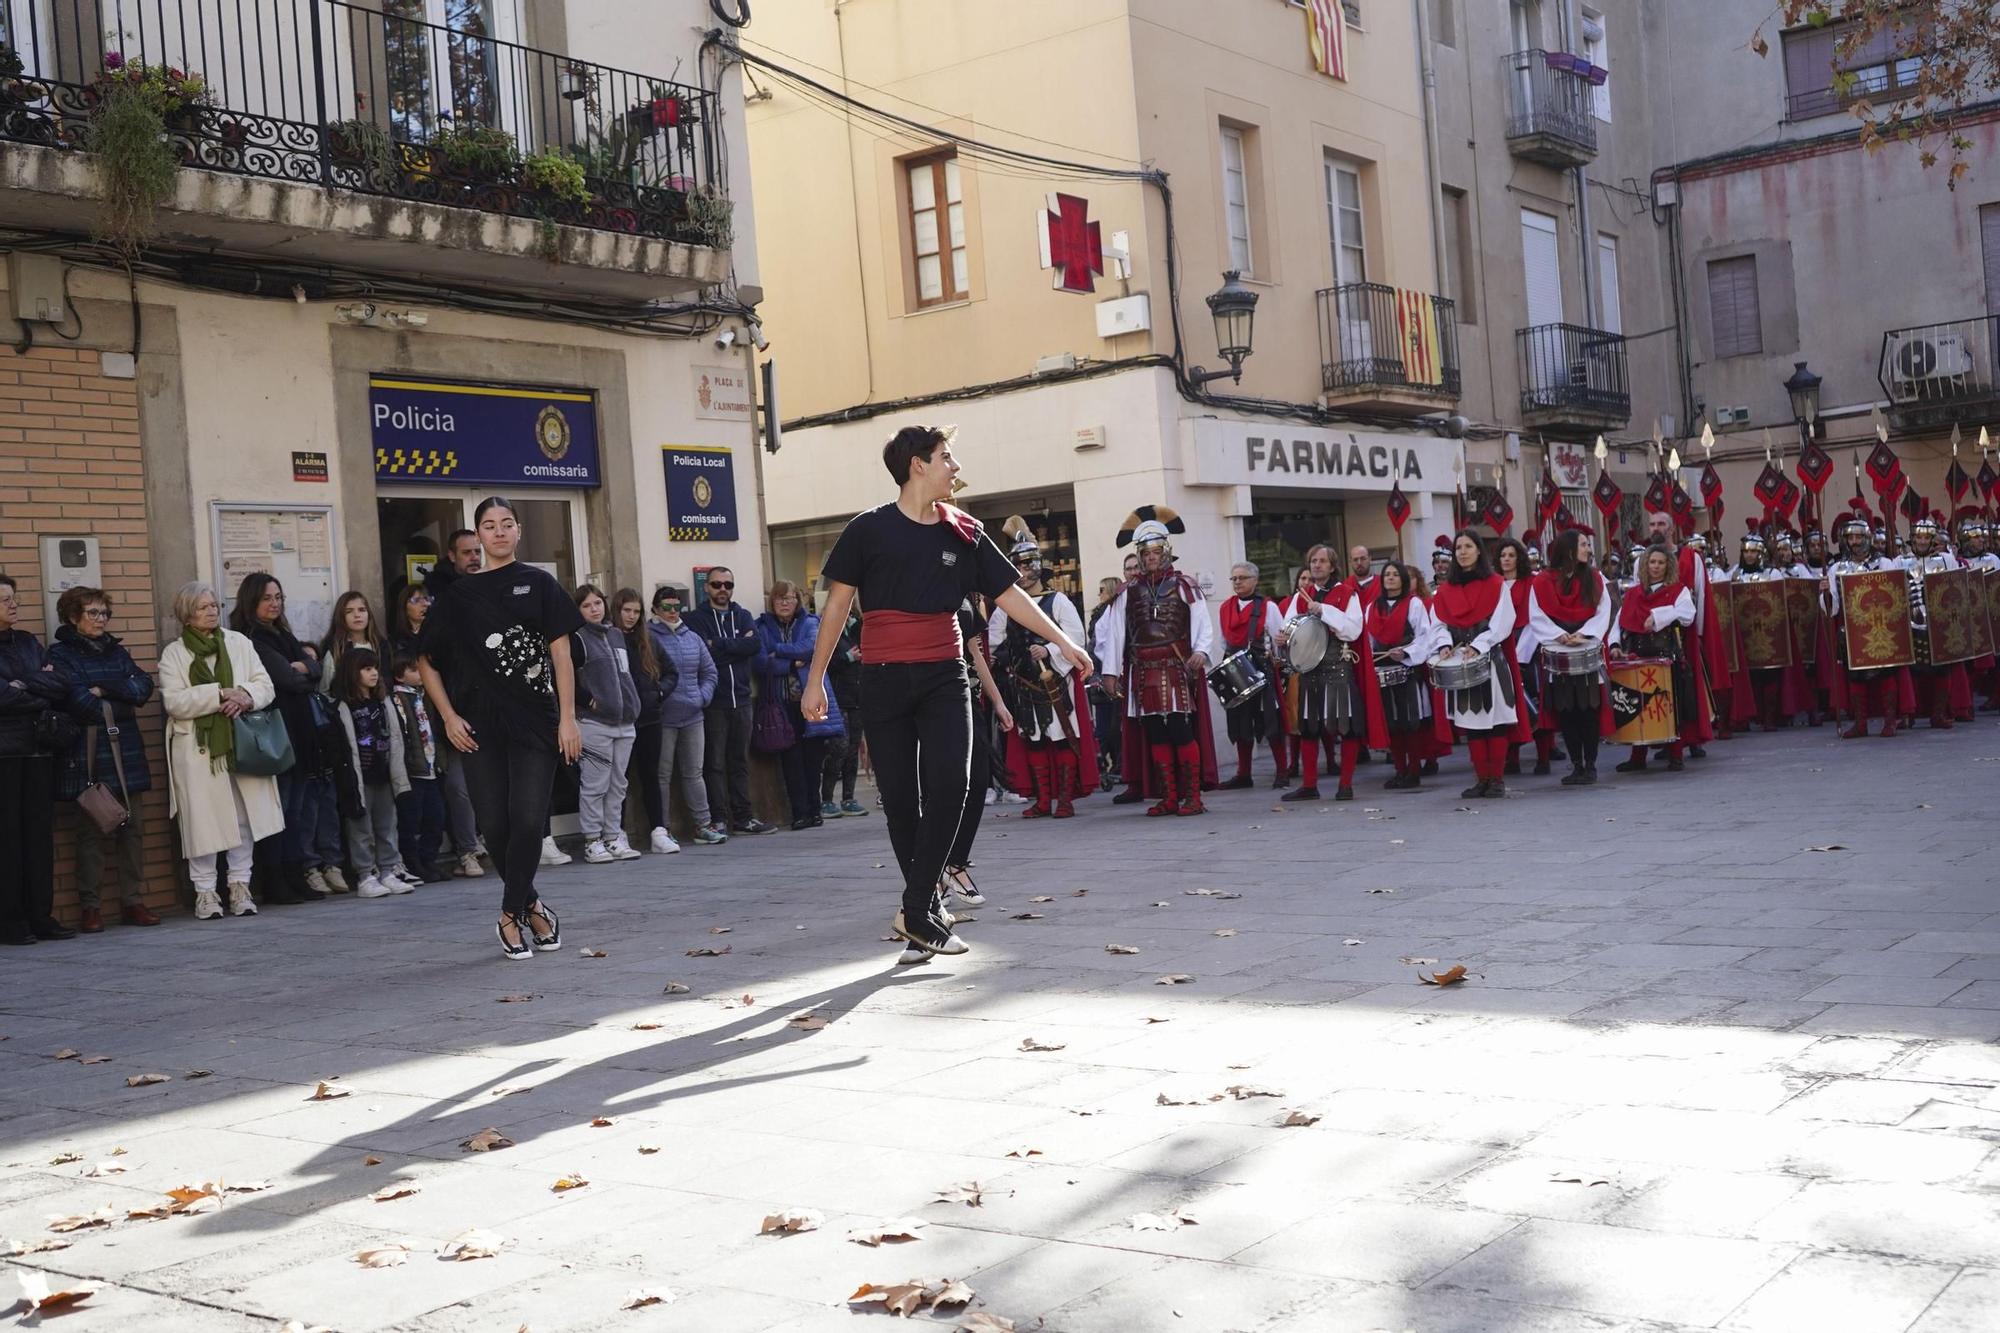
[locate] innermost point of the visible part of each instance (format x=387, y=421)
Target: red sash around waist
x=909, y=636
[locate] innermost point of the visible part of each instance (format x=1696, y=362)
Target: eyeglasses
x=97, y=612
x=1238, y=578
x=9, y=599
x=669, y=608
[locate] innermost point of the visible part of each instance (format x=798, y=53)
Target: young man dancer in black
x=911, y=563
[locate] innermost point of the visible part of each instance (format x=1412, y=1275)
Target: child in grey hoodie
x=607, y=713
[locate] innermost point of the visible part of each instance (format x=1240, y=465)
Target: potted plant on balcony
x=181, y=97
x=711, y=217
x=471, y=161
x=663, y=108
x=13, y=92
x=135, y=157
x=556, y=175
x=363, y=144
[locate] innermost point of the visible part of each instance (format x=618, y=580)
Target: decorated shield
x=1722, y=605
x=1763, y=623
x=1802, y=609
x=1875, y=619
x=1993, y=603
x=1642, y=701
x=1955, y=602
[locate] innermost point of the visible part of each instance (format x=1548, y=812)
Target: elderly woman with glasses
x=209, y=677
x=106, y=690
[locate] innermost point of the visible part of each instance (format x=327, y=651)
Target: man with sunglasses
x=731, y=635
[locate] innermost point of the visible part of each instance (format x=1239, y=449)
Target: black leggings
x=976, y=787
x=1580, y=735
x=918, y=720
x=844, y=766
x=512, y=783
x=644, y=774
x=27, y=842
x=1175, y=729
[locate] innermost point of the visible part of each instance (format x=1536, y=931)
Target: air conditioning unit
x=1924, y=365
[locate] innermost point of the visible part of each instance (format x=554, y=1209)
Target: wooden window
x=1541, y=264
x=1607, y=284
x=1989, y=254
x=1733, y=314
x=1343, y=221
x=1458, y=254
x=937, y=230
x=1819, y=83
x=1236, y=198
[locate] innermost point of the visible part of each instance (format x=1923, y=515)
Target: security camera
x=757, y=338
x=725, y=339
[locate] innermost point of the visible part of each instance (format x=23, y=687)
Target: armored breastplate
x=1156, y=615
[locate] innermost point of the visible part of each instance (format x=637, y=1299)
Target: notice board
x=294, y=543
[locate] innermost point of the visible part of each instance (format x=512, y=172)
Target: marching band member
x=1865, y=691
x=1250, y=621
x=1652, y=622
x=1052, y=749
x=1516, y=565
x=1339, y=699
x=1705, y=657
x=1400, y=633
x=1157, y=645
x=1569, y=603
x=1475, y=613
x=1942, y=690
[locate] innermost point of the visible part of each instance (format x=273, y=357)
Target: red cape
x=1018, y=778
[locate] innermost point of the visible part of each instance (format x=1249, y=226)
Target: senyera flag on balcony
x=1326, y=37
x=1417, y=324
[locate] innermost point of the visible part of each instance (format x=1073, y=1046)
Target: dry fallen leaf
x=371, y=1161
x=1418, y=962
x=511, y=1092
x=198, y=1073
x=877, y=1233
x=246, y=1187
x=641, y=1297
x=1151, y=1019
x=591, y=953
x=1167, y=1099
x=1024, y=1151
x=1035, y=1044
x=706, y=952
x=1121, y=948
x=749, y=1001
x=1079, y=893
x=1227, y=897
x=648, y=1027
x=42, y=1300
x=1172, y=1220
x=1161, y=904
x=966, y=1192
x=98, y=1217
x=807, y=1022
x=954, y=1292
x=648, y=1149
x=106, y=1169
x=1830, y=847
x=65, y=1158
x=21, y=1247
x=1201, y=893
x=720, y=930
x=515, y=999
x=184, y=1200
x=602, y=1122
x=676, y=988
x=1298, y=1119
x=473, y=1244
x=981, y=1322
x=95, y=1060
x=567, y=1183
x=384, y=1256
x=1351, y=943
x=1381, y=890
x=1224, y=933
x=1447, y=978
x=791, y=1221
x=326, y=1092
x=145, y=1080
x=903, y=1299
x=1173, y=979
x=1578, y=1178
x=487, y=1140
x=1026, y=916
x=1044, y=898
x=66, y=1053
x=391, y=1193
x=1243, y=1092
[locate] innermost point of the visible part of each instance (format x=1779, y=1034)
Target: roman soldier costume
x=1158, y=641
x=1770, y=694
x=1881, y=691
x=1941, y=690
x=1052, y=751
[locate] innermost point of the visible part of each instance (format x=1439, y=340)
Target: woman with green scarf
x=209, y=677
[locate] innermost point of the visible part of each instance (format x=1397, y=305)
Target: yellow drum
x=1642, y=701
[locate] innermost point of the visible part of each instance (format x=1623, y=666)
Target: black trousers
x=801, y=765
x=1580, y=734
x=918, y=720
x=27, y=842
x=978, y=783
x=726, y=762
x=843, y=758
x=644, y=775
x=512, y=784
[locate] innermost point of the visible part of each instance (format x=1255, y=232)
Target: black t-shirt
x=489, y=635
x=897, y=564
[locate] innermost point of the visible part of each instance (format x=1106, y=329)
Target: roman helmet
x=1150, y=528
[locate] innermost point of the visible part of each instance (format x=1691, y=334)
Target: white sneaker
x=469, y=867
x=372, y=887
x=207, y=907
x=399, y=881
x=336, y=881
x=240, y=903
x=1012, y=798
x=663, y=843
x=622, y=848
x=912, y=954
x=596, y=853
x=316, y=881
x=989, y=796
x=553, y=855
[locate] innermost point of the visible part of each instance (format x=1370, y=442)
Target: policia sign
x=458, y=434
x=701, y=493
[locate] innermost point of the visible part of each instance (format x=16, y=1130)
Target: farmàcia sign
x=1239, y=453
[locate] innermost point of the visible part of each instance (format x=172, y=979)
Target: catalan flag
x=1417, y=325
x=1326, y=34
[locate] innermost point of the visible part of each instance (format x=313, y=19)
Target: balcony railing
x=341, y=94
x=1551, y=107
x=1941, y=372
x=1571, y=374
x=1374, y=338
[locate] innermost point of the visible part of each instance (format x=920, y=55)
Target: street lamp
x=1234, y=309
x=1803, y=387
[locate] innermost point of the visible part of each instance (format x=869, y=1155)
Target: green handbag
x=263, y=746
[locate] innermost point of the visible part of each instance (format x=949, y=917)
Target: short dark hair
x=909, y=444
x=666, y=590
x=8, y=579
x=70, y=606
x=400, y=663
x=453, y=537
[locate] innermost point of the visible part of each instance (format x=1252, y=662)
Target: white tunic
x=1500, y=713
x=1063, y=612
x=1111, y=639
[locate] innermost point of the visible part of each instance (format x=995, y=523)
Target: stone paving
x=1725, y=1058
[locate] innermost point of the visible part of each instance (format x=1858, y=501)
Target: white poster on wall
x=294, y=543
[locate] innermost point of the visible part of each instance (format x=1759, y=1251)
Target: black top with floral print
x=489, y=635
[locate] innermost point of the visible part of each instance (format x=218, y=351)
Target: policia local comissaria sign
x=462, y=434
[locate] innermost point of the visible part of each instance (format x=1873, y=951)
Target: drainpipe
x=1433, y=154
x=1587, y=249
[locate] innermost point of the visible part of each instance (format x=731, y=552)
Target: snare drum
x=1236, y=679
x=1305, y=643
x=1578, y=659
x=1453, y=673
x=1388, y=675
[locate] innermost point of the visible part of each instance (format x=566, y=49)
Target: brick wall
x=71, y=463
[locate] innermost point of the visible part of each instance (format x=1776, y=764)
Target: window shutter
x=1734, y=317
x=1989, y=246
x=1541, y=260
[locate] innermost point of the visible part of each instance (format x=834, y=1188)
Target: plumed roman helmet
x=1150, y=526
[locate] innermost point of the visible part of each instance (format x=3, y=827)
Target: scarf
x=1241, y=621
x=1565, y=601
x=1389, y=621
x=1635, y=615
x=214, y=733
x=1467, y=604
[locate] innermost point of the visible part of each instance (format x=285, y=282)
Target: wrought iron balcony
x=1551, y=113
x=1938, y=373
x=363, y=98
x=1573, y=378
x=1387, y=348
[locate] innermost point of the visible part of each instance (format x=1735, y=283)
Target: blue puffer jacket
x=104, y=663
x=784, y=651
x=695, y=678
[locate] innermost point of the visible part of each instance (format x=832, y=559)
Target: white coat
x=198, y=796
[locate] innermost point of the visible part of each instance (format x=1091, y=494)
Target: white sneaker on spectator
x=989, y=801
x=207, y=907
x=663, y=843
x=469, y=867
x=372, y=887
x=553, y=855
x=400, y=881
x=622, y=848
x=240, y=903
x=316, y=881
x=596, y=853
x=336, y=881
x=1012, y=798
